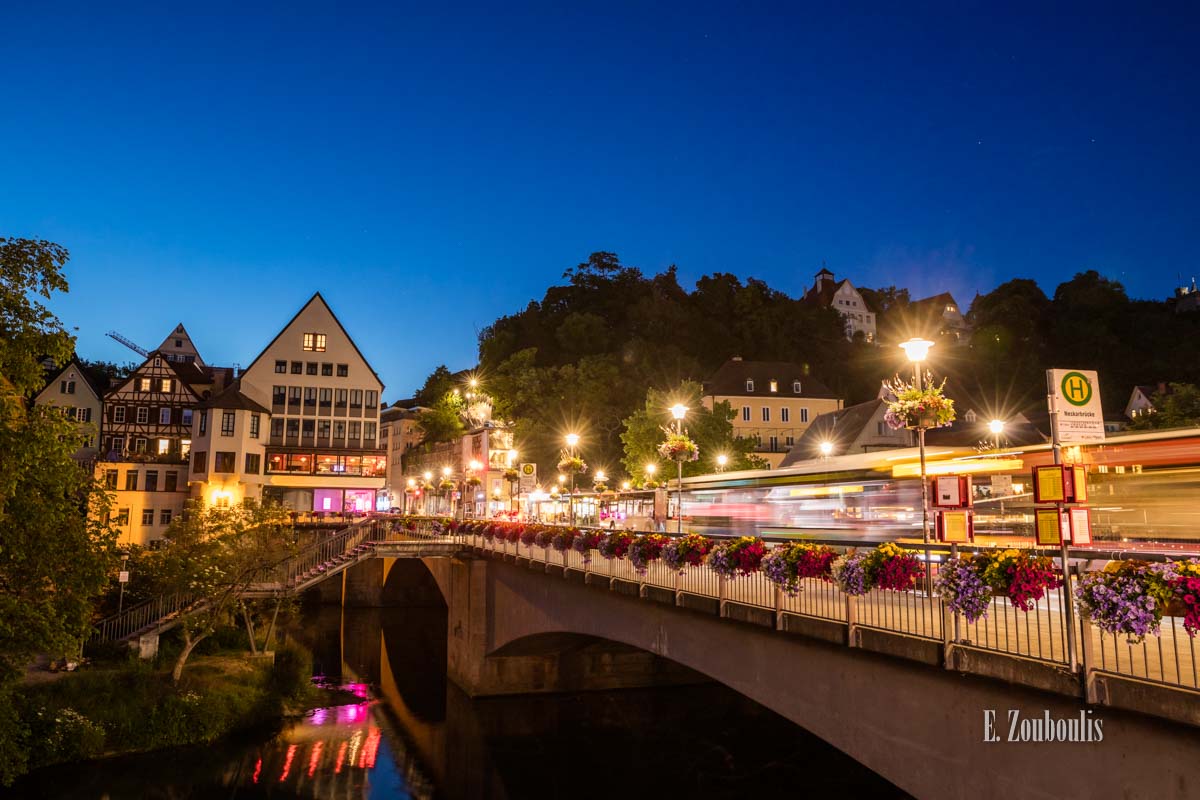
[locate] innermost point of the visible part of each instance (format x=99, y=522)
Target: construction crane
x=132, y=345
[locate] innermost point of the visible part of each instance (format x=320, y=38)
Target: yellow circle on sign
x=1076, y=389
x=527, y=469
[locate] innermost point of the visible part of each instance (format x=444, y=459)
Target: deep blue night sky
x=429, y=169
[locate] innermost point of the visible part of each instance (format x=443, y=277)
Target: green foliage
x=291, y=676
x=1178, y=407
x=28, y=331
x=711, y=430
x=442, y=420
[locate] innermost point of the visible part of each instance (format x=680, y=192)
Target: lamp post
x=475, y=468
x=917, y=350
x=722, y=461
x=410, y=495
x=996, y=426
x=572, y=441
x=446, y=472
x=679, y=411
x=428, y=476
x=826, y=449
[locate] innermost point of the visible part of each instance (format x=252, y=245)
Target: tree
x=712, y=430
x=1177, y=407
x=214, y=555
x=28, y=331
x=442, y=421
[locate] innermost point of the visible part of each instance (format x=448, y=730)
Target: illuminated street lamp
x=917, y=350
x=572, y=440
x=428, y=476
x=679, y=411
x=996, y=426
x=625, y=486
x=826, y=449
x=722, y=461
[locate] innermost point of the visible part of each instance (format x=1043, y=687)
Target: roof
x=57, y=376
x=316, y=296
x=939, y=300
x=842, y=427
x=823, y=291
x=232, y=399
x=731, y=379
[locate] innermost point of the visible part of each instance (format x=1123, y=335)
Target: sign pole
x=1064, y=547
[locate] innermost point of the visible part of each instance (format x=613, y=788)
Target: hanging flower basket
x=651, y=484
x=1132, y=597
x=741, y=556
x=787, y=564
x=585, y=542
x=849, y=573
x=646, y=548
x=446, y=486
x=678, y=447
x=918, y=408
x=569, y=465
x=615, y=544
x=1023, y=576
x=688, y=550
x=528, y=534
x=544, y=536
x=474, y=480
x=600, y=487
x=563, y=539
x=511, y=475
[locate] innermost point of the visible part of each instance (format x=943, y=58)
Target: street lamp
x=826, y=449
x=411, y=495
x=428, y=486
x=917, y=350
x=722, y=461
x=625, y=485
x=679, y=411
x=996, y=426
x=572, y=441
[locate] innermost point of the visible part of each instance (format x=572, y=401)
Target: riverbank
x=132, y=707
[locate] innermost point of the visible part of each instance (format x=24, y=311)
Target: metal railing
x=1041, y=633
x=137, y=618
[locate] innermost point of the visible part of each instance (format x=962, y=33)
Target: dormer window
x=796, y=387
x=774, y=385
x=314, y=342
x=749, y=386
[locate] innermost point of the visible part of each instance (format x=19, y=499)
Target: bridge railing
x=1041, y=633
x=138, y=617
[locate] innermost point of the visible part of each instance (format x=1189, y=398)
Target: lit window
x=185, y=447
x=164, y=385
x=320, y=343
x=774, y=386
x=308, y=341
x=143, y=384
x=164, y=446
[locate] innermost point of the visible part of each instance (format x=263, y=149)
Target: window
x=297, y=367
x=165, y=385
x=84, y=415
x=294, y=399
x=276, y=427
x=745, y=413
x=66, y=387
x=766, y=414
x=308, y=427
x=253, y=463
x=356, y=398
x=368, y=430
x=187, y=417
x=327, y=369
x=314, y=342
x=164, y=516
x=323, y=429
x=221, y=501
x=749, y=386
x=804, y=415
x=879, y=426
x=773, y=443
x=131, y=480
x=118, y=444
x=185, y=447
x=224, y=462
x=310, y=368
x=343, y=370
x=152, y=480
x=785, y=414
x=341, y=398
x=280, y=367
x=144, y=383
x=326, y=400
x=309, y=341
x=795, y=387
x=164, y=446
x=139, y=445
x=172, y=481
x=199, y=461
x=203, y=422
x=254, y=426
x=147, y=516
x=355, y=429
x=293, y=428
x=789, y=441
x=119, y=414
x=372, y=399
x=310, y=398
x=339, y=430
x=227, y=418
x=773, y=386
x=164, y=416
x=278, y=395
x=110, y=479
x=143, y=416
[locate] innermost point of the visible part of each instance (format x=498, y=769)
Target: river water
x=415, y=734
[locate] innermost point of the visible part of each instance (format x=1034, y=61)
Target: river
x=415, y=734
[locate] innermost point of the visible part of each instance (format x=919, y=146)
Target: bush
x=292, y=674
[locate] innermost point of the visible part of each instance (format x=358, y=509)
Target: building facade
x=70, y=389
x=854, y=429
x=938, y=318
x=843, y=298
x=300, y=428
x=773, y=403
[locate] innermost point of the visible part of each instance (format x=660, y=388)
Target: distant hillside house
x=845, y=299
x=773, y=402
x=1187, y=298
x=853, y=429
x=1141, y=399
x=938, y=318
x=70, y=389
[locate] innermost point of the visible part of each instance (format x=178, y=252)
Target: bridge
x=891, y=678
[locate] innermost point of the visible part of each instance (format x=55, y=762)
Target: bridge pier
x=554, y=662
